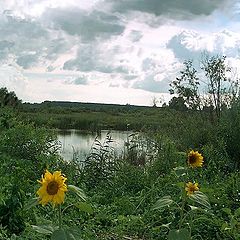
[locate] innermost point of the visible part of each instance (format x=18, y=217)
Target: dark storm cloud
x=94, y=57
x=5, y=47
x=87, y=25
x=10, y=26
x=30, y=41
x=58, y=46
x=21, y=38
x=28, y=60
x=172, y=8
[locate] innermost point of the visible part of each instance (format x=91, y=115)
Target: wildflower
x=53, y=188
x=191, y=188
x=195, y=159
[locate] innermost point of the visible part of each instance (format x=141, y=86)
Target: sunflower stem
x=71, y=205
x=182, y=209
x=59, y=216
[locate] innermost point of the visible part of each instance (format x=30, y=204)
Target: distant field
x=95, y=117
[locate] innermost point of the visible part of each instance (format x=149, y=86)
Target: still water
x=79, y=142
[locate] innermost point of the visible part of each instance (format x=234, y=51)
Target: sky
x=110, y=51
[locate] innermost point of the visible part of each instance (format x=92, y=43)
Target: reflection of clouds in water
x=81, y=142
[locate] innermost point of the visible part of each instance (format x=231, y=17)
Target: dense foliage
x=123, y=190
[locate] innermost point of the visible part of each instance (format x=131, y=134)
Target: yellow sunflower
x=195, y=159
x=53, y=188
x=191, y=188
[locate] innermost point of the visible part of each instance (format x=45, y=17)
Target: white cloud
x=35, y=8
x=13, y=79
x=126, y=49
x=191, y=44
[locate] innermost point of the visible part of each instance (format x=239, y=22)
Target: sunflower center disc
x=192, y=189
x=52, y=188
x=192, y=159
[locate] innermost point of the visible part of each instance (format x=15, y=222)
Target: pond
x=76, y=141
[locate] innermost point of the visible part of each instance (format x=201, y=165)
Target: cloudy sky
x=109, y=51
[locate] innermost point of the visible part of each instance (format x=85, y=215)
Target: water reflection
x=73, y=140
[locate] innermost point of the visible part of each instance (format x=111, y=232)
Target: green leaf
x=80, y=193
x=13, y=237
x=60, y=234
x=180, y=184
x=31, y=203
x=43, y=229
x=85, y=207
x=66, y=234
x=182, y=153
x=193, y=207
x=162, y=203
x=225, y=227
x=75, y=232
x=167, y=225
x=200, y=198
x=181, y=234
x=227, y=211
x=237, y=212
x=207, y=189
x=180, y=171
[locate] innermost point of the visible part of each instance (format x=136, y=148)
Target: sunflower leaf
x=237, y=212
x=181, y=234
x=200, y=198
x=66, y=234
x=44, y=229
x=78, y=191
x=162, y=203
x=61, y=234
x=193, y=207
x=31, y=203
x=85, y=207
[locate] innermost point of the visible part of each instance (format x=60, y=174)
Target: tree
x=8, y=98
x=154, y=102
x=177, y=103
x=186, y=86
x=218, y=85
x=220, y=90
